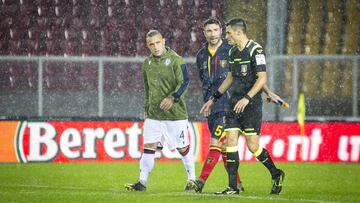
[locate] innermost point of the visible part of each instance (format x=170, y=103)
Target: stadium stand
x=351, y=42
x=253, y=12
x=295, y=38
x=333, y=34
x=311, y=70
x=323, y=27
x=331, y=46
x=118, y=28
x=352, y=27
x=296, y=27
x=111, y=21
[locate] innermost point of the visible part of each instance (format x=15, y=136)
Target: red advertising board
x=100, y=141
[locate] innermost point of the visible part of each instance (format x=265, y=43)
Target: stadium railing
x=111, y=87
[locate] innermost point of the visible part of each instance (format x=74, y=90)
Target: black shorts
x=248, y=122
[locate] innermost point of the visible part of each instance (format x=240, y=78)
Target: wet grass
x=104, y=182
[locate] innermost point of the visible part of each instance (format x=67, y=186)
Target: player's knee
x=232, y=141
x=215, y=142
x=184, y=151
x=252, y=143
x=253, y=147
x=150, y=146
x=223, y=148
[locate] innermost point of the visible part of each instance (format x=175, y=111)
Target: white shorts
x=174, y=133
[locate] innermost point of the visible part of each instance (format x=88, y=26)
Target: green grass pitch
x=104, y=182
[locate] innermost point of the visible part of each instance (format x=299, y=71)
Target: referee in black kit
x=247, y=74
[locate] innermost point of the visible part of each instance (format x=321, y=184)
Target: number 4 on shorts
x=182, y=135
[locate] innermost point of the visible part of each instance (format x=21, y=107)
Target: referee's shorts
x=247, y=122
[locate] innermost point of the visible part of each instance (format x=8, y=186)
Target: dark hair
x=211, y=21
x=237, y=23
x=152, y=33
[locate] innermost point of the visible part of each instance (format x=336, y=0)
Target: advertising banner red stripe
x=101, y=141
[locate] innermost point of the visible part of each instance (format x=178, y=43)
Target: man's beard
x=216, y=42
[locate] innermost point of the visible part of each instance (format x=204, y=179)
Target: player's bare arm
x=206, y=108
x=259, y=84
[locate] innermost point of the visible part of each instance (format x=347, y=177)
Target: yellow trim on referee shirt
x=253, y=49
x=230, y=51
x=248, y=44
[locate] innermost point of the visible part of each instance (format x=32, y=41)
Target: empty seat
x=14, y=47
x=105, y=43
x=313, y=28
x=295, y=28
x=141, y=46
x=70, y=42
x=10, y=8
x=332, y=36
x=27, y=8
x=76, y=23
x=31, y=47
x=87, y=43
x=352, y=28
x=194, y=42
x=4, y=36
x=53, y=44
x=24, y=22
x=6, y=23
x=219, y=8
x=41, y=23
x=112, y=16
x=31, y=42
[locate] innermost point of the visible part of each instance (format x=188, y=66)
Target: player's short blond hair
x=152, y=33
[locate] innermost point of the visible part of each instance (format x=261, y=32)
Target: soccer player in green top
x=166, y=118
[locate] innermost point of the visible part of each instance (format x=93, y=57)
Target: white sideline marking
x=241, y=196
x=184, y=194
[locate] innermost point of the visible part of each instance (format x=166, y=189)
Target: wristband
x=247, y=97
x=217, y=95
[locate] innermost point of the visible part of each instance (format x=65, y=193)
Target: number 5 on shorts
x=218, y=130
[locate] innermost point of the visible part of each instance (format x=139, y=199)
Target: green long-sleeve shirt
x=165, y=76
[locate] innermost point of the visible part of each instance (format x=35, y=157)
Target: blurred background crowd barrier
x=108, y=87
